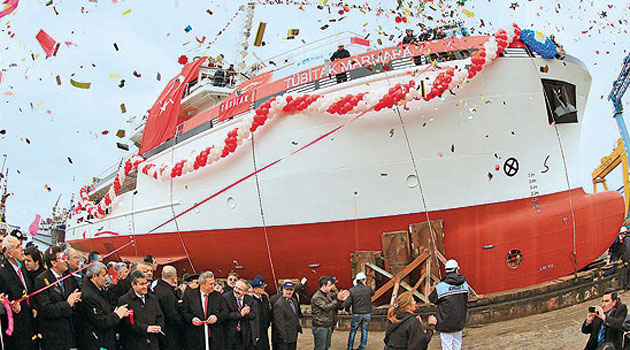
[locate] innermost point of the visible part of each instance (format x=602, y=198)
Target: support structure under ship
x=496, y=162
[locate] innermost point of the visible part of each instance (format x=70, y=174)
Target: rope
x=179, y=234
x=262, y=215
x=566, y=173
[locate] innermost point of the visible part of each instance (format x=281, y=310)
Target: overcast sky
x=65, y=125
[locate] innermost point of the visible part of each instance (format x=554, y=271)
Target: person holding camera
x=604, y=322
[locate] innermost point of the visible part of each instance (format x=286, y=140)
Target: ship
x=288, y=172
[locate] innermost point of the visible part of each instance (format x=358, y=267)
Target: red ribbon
x=70, y=274
x=131, y=317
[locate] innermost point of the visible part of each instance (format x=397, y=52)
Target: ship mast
x=4, y=186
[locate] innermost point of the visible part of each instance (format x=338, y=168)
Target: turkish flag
x=359, y=41
x=162, y=120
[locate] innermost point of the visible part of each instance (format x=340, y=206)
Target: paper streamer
x=9, y=7
x=80, y=85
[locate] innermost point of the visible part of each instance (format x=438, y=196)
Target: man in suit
x=100, y=318
x=55, y=304
x=238, y=328
x=605, y=324
x=15, y=284
x=166, y=293
x=262, y=309
x=286, y=322
x=147, y=321
x=201, y=305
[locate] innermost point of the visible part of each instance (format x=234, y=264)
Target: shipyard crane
x=621, y=154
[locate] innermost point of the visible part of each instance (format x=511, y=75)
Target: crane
x=621, y=154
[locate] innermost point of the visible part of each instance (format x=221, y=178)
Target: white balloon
x=280, y=99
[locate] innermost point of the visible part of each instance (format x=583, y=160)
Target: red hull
x=545, y=239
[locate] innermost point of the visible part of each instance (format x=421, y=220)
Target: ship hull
x=487, y=160
x=478, y=237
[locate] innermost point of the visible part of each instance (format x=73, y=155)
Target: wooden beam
x=402, y=283
x=402, y=274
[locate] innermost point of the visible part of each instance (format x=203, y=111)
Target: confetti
x=47, y=43
x=126, y=12
x=123, y=109
x=80, y=85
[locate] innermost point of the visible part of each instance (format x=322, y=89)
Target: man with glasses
x=232, y=278
x=56, y=305
x=604, y=322
x=238, y=329
x=204, y=305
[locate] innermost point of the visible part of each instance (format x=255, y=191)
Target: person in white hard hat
x=451, y=298
x=360, y=300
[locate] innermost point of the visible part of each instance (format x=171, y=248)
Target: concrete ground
x=559, y=329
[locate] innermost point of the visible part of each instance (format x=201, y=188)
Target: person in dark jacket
x=34, y=263
x=166, y=293
x=55, y=305
x=147, y=321
x=451, y=297
x=286, y=322
x=201, y=305
x=409, y=37
x=625, y=258
x=605, y=324
x=263, y=314
x=295, y=296
x=323, y=305
x=360, y=300
x=15, y=284
x=219, y=77
x=100, y=318
x=237, y=327
x=337, y=55
x=404, y=330
x=231, y=280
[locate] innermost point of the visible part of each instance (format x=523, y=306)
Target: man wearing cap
x=451, y=297
x=286, y=322
x=15, y=284
x=323, y=305
x=262, y=310
x=409, y=37
x=360, y=300
x=625, y=258
x=337, y=55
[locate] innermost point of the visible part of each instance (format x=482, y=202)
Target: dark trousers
x=263, y=341
x=284, y=346
x=238, y=343
x=625, y=275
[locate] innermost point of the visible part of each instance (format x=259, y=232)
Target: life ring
x=539, y=43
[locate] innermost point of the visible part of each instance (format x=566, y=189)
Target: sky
x=57, y=136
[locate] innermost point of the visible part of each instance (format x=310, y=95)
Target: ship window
x=560, y=101
x=514, y=258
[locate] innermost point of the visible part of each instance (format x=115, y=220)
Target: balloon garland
x=539, y=43
x=448, y=78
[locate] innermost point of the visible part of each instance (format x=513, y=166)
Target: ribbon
x=27, y=296
x=7, y=308
x=131, y=317
x=205, y=329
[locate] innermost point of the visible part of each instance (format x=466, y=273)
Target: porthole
x=514, y=258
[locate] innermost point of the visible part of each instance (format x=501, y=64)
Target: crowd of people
x=51, y=303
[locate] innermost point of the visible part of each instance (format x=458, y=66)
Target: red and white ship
x=495, y=158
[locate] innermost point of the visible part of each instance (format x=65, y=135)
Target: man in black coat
x=340, y=54
x=166, y=293
x=15, y=284
x=147, y=321
x=286, y=322
x=201, y=305
x=604, y=325
x=238, y=328
x=262, y=310
x=55, y=304
x=100, y=318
